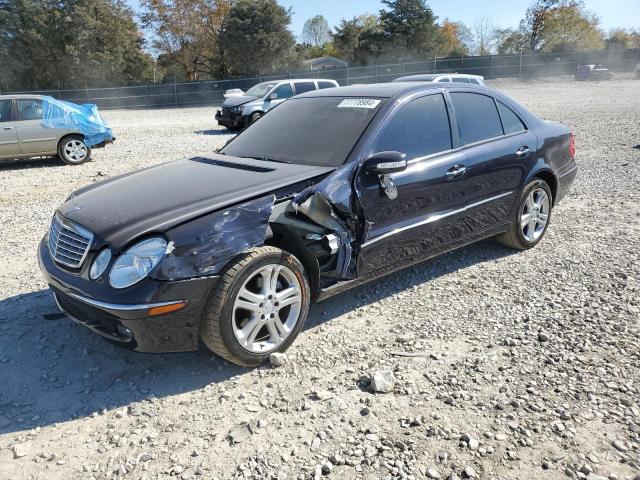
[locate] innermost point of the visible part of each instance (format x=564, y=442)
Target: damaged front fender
x=204, y=246
x=329, y=204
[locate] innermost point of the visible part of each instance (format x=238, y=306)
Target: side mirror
x=383, y=163
x=273, y=96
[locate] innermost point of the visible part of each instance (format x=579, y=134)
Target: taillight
x=572, y=146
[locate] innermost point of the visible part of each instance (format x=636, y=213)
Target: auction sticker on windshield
x=359, y=103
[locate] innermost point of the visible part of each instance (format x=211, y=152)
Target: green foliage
x=69, y=43
x=557, y=26
x=618, y=38
x=409, y=30
x=255, y=38
x=405, y=30
x=186, y=35
x=356, y=40
x=510, y=41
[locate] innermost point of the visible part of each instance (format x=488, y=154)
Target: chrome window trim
x=434, y=218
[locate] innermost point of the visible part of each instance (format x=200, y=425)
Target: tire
x=72, y=150
x=254, y=117
x=536, y=201
x=226, y=327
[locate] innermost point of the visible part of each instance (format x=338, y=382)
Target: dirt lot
x=527, y=364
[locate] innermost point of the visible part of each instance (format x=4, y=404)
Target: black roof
x=390, y=90
x=378, y=90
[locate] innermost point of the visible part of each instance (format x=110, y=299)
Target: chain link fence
x=211, y=91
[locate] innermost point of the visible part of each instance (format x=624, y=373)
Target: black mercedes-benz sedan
x=328, y=190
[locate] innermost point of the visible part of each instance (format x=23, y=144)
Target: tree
x=353, y=39
x=483, y=36
x=316, y=31
x=409, y=30
x=69, y=43
x=255, y=37
x=619, y=38
x=560, y=25
x=510, y=41
x=455, y=39
x=186, y=33
x=532, y=23
x=569, y=28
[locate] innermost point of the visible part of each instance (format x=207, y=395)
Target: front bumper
x=230, y=120
x=122, y=316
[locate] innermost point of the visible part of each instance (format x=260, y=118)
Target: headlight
x=136, y=263
x=100, y=264
x=239, y=109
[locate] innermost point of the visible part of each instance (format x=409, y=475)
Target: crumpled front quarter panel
x=204, y=246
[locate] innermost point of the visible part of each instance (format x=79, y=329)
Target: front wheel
x=258, y=307
x=531, y=217
x=73, y=150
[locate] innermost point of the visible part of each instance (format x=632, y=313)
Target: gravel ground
x=495, y=364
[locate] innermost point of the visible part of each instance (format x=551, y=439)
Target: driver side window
x=419, y=129
x=283, y=91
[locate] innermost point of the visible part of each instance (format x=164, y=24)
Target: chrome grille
x=68, y=243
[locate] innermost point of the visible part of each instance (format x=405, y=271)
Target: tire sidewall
x=255, y=117
x=64, y=157
x=226, y=313
x=537, y=183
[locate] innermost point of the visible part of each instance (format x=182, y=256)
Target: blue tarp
x=84, y=118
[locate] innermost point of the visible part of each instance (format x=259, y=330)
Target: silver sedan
x=25, y=132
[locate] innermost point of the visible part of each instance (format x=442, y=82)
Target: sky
x=503, y=13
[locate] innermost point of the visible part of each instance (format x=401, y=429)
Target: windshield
x=261, y=89
x=318, y=131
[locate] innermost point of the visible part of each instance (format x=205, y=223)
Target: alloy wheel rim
x=535, y=215
x=75, y=150
x=267, y=308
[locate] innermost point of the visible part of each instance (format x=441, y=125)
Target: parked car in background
x=331, y=189
x=593, y=72
x=39, y=126
x=444, y=78
x=241, y=111
x=233, y=92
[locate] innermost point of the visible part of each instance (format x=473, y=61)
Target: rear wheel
x=73, y=150
x=258, y=307
x=531, y=218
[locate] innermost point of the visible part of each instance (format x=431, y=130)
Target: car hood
x=236, y=101
x=156, y=199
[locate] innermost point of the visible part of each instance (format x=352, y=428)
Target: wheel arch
x=72, y=134
x=289, y=242
x=550, y=178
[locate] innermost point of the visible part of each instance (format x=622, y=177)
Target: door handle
x=7, y=128
x=522, y=152
x=455, y=171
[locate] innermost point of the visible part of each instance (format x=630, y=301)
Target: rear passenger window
x=460, y=80
x=420, y=128
x=5, y=110
x=283, y=91
x=510, y=121
x=473, y=80
x=477, y=117
x=304, y=87
x=322, y=85
x=29, y=109
x=444, y=80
